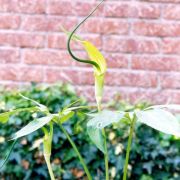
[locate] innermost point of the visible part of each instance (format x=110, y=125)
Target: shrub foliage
x=154, y=156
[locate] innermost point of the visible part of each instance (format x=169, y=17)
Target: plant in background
x=157, y=117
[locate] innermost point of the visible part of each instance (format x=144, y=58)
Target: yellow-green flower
x=96, y=59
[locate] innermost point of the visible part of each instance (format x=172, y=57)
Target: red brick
x=171, y=46
x=107, y=26
x=170, y=80
x=116, y=60
x=23, y=6
x=138, y=79
x=22, y=40
x=43, y=23
x=21, y=73
x=164, y=1
x=156, y=63
x=115, y=44
x=171, y=12
x=114, y=26
x=139, y=39
x=71, y=76
x=132, y=95
x=47, y=57
x=8, y=73
x=60, y=41
x=9, y=22
x=133, y=9
x=92, y=25
x=31, y=74
x=156, y=29
x=69, y=7
x=153, y=96
x=9, y=55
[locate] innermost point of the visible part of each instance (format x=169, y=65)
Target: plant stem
x=47, y=159
x=47, y=142
x=106, y=157
x=129, y=148
x=77, y=152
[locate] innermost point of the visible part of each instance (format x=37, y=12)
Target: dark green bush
x=154, y=156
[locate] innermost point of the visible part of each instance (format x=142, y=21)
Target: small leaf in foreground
x=160, y=120
x=105, y=118
x=97, y=138
x=4, y=117
x=166, y=106
x=33, y=126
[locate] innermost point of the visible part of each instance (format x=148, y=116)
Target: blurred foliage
x=154, y=156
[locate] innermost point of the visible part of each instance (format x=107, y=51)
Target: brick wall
x=139, y=38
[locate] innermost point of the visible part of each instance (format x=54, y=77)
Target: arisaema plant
x=158, y=117
x=44, y=123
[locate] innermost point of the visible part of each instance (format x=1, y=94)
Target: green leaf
x=160, y=120
x=65, y=116
x=97, y=138
x=98, y=122
x=8, y=155
x=105, y=118
x=33, y=126
x=4, y=117
x=41, y=106
x=167, y=106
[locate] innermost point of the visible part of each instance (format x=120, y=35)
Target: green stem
x=77, y=152
x=129, y=148
x=47, y=159
x=71, y=35
x=106, y=158
x=47, y=142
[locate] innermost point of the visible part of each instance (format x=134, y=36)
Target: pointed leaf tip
x=97, y=138
x=160, y=120
x=33, y=126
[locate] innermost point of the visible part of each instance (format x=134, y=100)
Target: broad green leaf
x=4, y=117
x=97, y=138
x=166, y=106
x=160, y=120
x=33, y=126
x=105, y=118
x=98, y=122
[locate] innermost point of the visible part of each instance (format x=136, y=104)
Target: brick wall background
x=139, y=38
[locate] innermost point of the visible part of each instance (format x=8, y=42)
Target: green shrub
x=154, y=156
